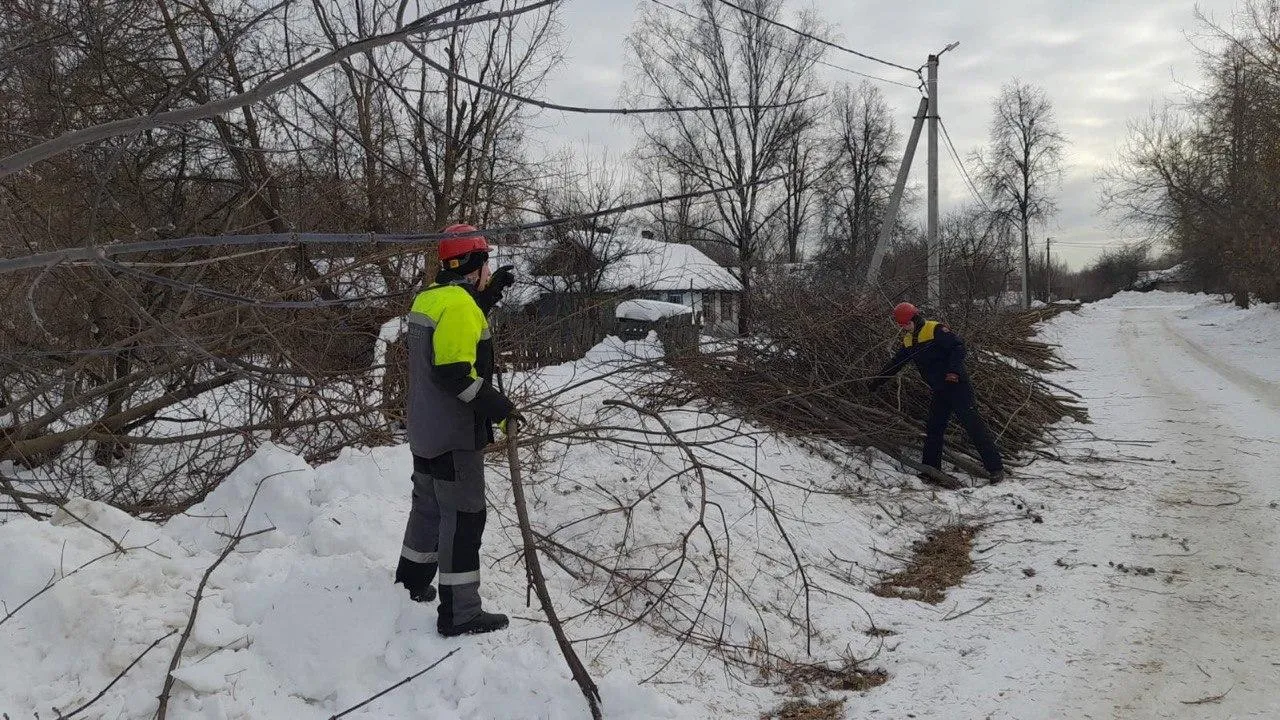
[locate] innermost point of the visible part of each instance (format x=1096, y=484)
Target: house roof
x=640, y=263
x=631, y=262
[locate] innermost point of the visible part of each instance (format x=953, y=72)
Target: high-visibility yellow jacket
x=451, y=403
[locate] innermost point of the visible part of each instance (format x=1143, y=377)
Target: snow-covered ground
x=1176, y=474
x=302, y=622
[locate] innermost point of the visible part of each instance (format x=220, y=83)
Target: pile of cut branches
x=807, y=373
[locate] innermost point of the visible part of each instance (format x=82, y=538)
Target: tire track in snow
x=1265, y=391
x=1213, y=628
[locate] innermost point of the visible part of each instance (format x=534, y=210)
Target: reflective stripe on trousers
x=447, y=521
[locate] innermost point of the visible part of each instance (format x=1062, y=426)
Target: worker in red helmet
x=451, y=409
x=939, y=355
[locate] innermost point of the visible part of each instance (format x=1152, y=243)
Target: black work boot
x=485, y=622
x=417, y=577
x=995, y=477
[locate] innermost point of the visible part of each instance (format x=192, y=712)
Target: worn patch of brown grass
x=850, y=676
x=938, y=562
x=804, y=710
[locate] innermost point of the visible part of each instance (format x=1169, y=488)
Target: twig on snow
x=1193, y=503
x=1210, y=699
x=240, y=536
x=966, y=612
x=402, y=683
x=55, y=579
x=117, y=679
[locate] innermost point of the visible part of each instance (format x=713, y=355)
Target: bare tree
x=976, y=244
x=1202, y=175
x=727, y=57
x=1023, y=163
x=164, y=370
x=862, y=157
x=802, y=171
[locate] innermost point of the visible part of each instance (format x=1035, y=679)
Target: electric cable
x=819, y=61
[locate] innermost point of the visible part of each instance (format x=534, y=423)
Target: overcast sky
x=1103, y=63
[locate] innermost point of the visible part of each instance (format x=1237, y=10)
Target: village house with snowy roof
x=600, y=267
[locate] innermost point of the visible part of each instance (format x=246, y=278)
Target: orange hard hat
x=452, y=248
x=904, y=313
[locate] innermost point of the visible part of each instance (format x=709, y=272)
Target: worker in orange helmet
x=451, y=408
x=939, y=355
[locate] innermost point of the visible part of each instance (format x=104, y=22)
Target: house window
x=709, y=308
x=675, y=297
x=726, y=306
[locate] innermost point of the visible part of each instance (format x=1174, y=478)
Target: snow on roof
x=645, y=264
x=650, y=310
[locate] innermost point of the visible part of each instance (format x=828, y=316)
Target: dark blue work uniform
x=938, y=352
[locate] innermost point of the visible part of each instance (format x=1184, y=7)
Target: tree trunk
x=1239, y=289
x=744, y=306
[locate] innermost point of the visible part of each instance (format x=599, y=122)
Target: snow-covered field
x=302, y=622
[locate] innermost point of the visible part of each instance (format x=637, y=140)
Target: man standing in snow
x=451, y=407
x=939, y=354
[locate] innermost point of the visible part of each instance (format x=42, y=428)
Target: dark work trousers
x=445, y=526
x=958, y=398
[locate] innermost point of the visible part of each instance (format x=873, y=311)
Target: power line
x=817, y=60
x=955, y=157
x=97, y=254
x=591, y=110
x=815, y=38
x=964, y=175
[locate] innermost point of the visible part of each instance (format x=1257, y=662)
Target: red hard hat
x=904, y=313
x=456, y=247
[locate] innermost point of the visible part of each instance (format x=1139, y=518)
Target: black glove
x=492, y=404
x=503, y=278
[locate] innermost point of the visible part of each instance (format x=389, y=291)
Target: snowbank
x=303, y=621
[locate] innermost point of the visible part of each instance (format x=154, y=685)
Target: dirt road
x=1152, y=588
x=1208, y=525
